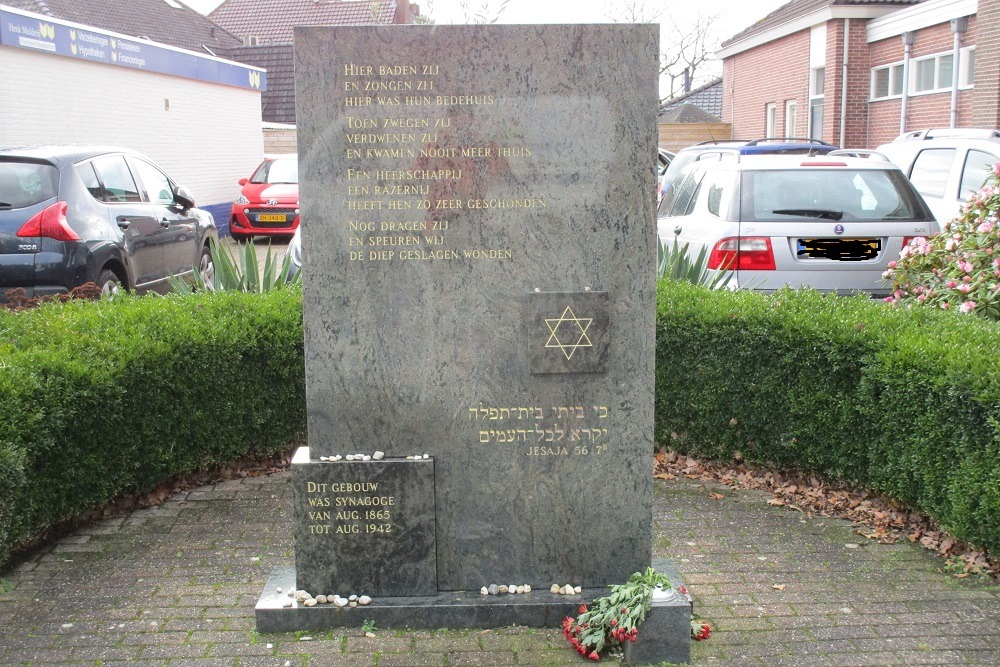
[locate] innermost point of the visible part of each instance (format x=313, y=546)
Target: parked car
x=663, y=160
x=945, y=165
x=76, y=214
x=732, y=148
x=293, y=253
x=268, y=203
x=832, y=222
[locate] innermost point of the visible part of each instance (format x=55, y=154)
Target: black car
x=76, y=214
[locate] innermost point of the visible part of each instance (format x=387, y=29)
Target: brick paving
x=176, y=585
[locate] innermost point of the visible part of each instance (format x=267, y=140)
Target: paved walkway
x=176, y=585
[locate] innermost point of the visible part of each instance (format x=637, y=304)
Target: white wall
x=208, y=138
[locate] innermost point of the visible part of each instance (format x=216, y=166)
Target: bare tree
x=487, y=11
x=484, y=13
x=687, y=45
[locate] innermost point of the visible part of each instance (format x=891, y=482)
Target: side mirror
x=243, y=181
x=183, y=197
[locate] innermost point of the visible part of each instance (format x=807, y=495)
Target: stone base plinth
x=452, y=609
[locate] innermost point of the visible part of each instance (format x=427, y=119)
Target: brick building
x=265, y=28
x=857, y=73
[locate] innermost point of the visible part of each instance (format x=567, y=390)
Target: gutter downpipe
x=958, y=26
x=843, y=84
x=907, y=45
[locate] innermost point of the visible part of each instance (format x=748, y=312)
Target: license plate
x=844, y=250
x=270, y=217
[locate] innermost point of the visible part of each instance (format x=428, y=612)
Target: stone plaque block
x=568, y=332
x=364, y=526
x=447, y=175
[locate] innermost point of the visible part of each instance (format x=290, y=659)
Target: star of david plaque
x=568, y=332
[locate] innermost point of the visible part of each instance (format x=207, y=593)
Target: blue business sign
x=41, y=33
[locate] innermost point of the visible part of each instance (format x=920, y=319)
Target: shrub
x=958, y=269
x=239, y=270
x=904, y=402
x=108, y=398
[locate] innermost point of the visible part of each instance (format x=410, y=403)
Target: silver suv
x=945, y=165
x=833, y=222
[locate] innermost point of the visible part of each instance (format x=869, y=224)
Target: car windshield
x=280, y=170
x=827, y=194
x=24, y=184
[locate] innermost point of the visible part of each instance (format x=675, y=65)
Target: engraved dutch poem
x=401, y=120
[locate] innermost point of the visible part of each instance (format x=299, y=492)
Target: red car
x=268, y=204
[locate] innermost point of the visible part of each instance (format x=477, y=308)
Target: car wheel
x=206, y=268
x=109, y=283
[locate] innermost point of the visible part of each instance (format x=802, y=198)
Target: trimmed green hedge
x=103, y=399
x=904, y=402
x=100, y=400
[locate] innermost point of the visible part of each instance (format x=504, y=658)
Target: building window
x=887, y=81
x=790, y=108
x=932, y=74
x=770, y=119
x=817, y=81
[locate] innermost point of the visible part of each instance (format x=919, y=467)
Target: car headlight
x=241, y=200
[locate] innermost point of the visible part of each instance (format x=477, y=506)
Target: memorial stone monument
x=479, y=304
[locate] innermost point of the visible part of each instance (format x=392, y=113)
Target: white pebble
x=554, y=588
x=278, y=589
x=340, y=602
x=527, y=588
x=484, y=591
x=578, y=590
x=324, y=458
x=350, y=457
x=512, y=588
x=320, y=599
x=364, y=600
x=286, y=603
x=520, y=590
x=352, y=598
x=311, y=602
x=366, y=458
x=337, y=457
x=427, y=456
x=353, y=603
x=503, y=589
x=378, y=456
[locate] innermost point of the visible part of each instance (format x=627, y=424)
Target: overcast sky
x=733, y=15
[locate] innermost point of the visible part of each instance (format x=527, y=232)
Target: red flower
x=614, y=622
x=583, y=609
x=593, y=656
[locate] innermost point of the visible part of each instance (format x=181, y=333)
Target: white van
x=945, y=165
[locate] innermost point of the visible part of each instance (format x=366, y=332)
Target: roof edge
x=803, y=22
